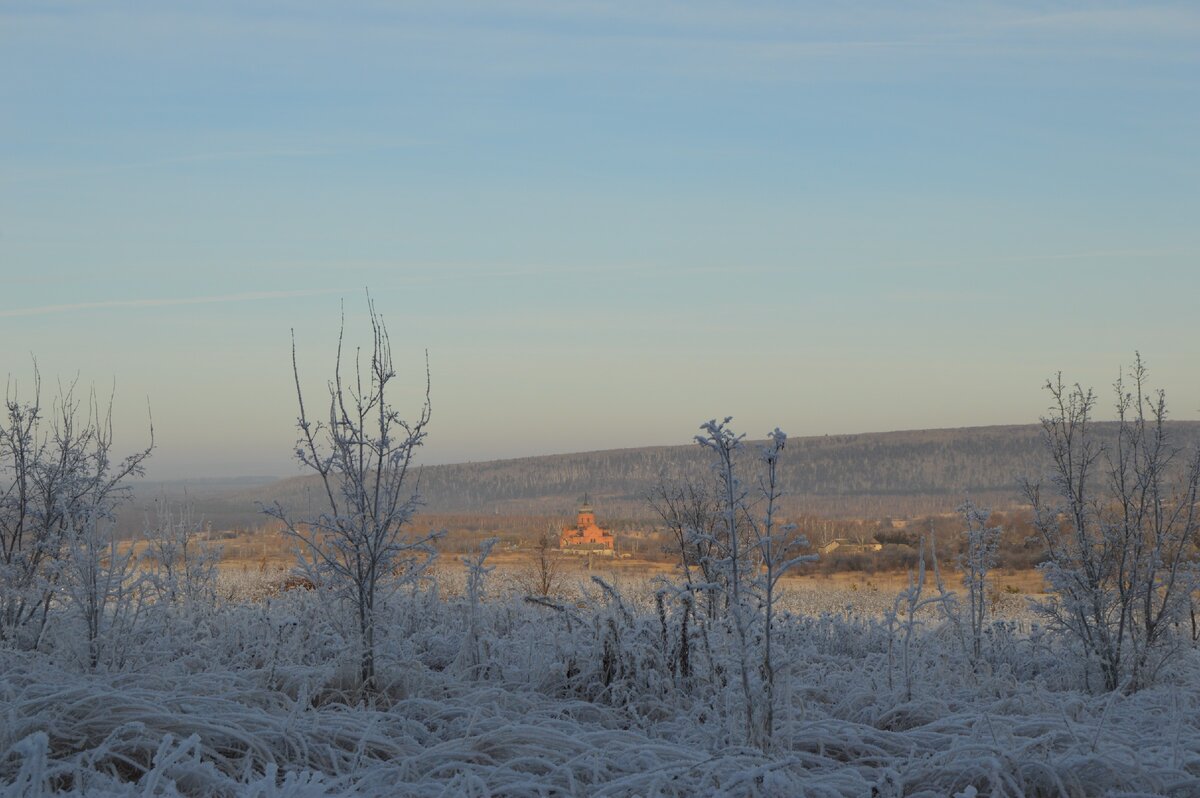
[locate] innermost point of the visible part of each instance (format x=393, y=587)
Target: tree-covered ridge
x=869, y=474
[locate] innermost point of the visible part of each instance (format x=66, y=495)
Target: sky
x=605, y=222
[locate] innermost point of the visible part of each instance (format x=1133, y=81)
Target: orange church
x=586, y=537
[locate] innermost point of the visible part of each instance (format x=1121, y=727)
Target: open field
x=271, y=552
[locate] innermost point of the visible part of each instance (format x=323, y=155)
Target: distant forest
x=901, y=474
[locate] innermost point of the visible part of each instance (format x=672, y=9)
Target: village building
x=586, y=536
x=846, y=546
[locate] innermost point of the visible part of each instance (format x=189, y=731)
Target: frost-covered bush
x=1119, y=524
x=59, y=484
x=976, y=562
x=182, y=567
x=101, y=587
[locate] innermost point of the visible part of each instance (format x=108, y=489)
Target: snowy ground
x=256, y=696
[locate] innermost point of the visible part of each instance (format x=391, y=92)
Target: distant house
x=587, y=537
x=847, y=546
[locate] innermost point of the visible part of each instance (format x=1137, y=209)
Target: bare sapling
x=692, y=515
x=359, y=546
x=1119, y=524
x=976, y=562
x=544, y=570
x=58, y=481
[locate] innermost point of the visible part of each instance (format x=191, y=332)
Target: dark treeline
x=892, y=473
x=902, y=474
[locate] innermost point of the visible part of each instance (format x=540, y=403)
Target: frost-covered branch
x=1121, y=544
x=360, y=548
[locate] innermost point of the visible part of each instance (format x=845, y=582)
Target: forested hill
x=873, y=474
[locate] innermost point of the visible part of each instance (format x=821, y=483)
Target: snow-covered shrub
x=734, y=550
x=976, y=562
x=181, y=565
x=473, y=654
x=100, y=585
x=1119, y=524
x=904, y=621
x=58, y=480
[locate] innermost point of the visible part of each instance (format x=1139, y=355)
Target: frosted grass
x=257, y=698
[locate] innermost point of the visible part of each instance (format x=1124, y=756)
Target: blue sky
x=606, y=223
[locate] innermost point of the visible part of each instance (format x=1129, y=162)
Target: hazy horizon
x=605, y=223
x=295, y=470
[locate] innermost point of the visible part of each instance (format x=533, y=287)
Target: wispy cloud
x=201, y=158
x=250, y=296
x=1098, y=254
x=1144, y=19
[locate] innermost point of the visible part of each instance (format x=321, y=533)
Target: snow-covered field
x=255, y=695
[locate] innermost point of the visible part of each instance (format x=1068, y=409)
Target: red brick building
x=586, y=537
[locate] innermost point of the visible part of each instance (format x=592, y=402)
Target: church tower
x=586, y=537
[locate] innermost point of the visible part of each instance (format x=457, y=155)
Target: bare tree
x=1119, y=526
x=976, y=562
x=359, y=545
x=691, y=513
x=57, y=479
x=544, y=571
